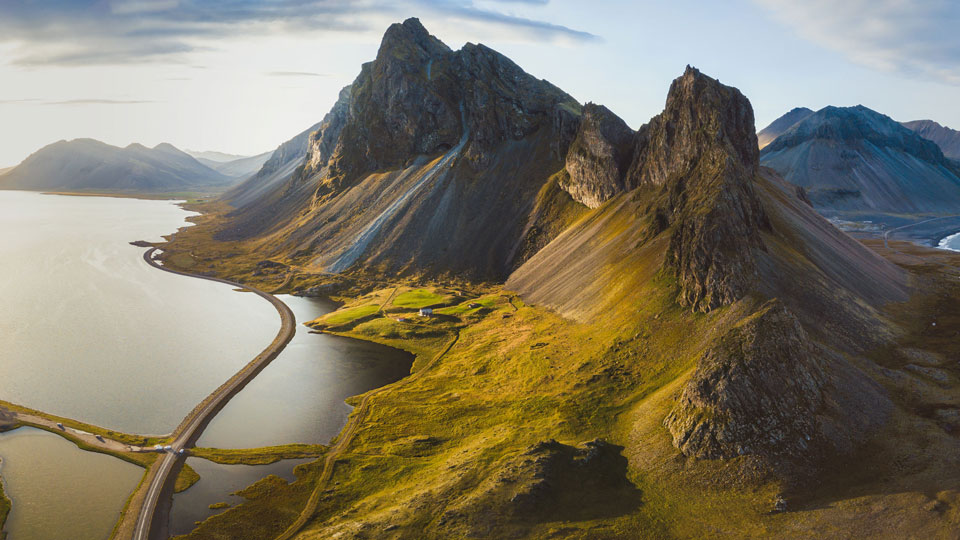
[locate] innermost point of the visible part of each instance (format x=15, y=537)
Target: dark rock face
x=549, y=481
x=420, y=98
x=766, y=390
x=756, y=392
x=701, y=152
x=598, y=157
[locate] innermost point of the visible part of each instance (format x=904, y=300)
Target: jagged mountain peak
x=409, y=41
x=701, y=117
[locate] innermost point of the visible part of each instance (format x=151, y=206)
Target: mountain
x=427, y=148
x=780, y=125
x=213, y=156
x=947, y=139
x=252, y=194
x=635, y=333
x=856, y=159
x=241, y=167
x=89, y=165
x=731, y=234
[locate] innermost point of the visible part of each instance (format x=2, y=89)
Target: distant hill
x=856, y=159
x=276, y=169
x=947, y=139
x=216, y=157
x=780, y=125
x=241, y=167
x=90, y=165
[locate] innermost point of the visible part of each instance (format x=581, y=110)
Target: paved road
x=192, y=426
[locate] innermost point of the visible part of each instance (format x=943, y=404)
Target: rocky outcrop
x=757, y=391
x=766, y=390
x=548, y=481
x=701, y=154
x=598, y=157
x=420, y=98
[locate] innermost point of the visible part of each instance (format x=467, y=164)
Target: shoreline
x=158, y=481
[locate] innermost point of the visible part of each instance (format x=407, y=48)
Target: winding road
x=160, y=477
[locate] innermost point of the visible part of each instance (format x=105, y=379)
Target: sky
x=243, y=76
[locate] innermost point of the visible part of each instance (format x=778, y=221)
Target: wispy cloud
x=88, y=101
x=296, y=74
x=99, y=102
x=915, y=37
x=97, y=32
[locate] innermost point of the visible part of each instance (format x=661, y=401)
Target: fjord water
x=60, y=491
x=90, y=331
x=217, y=484
x=299, y=397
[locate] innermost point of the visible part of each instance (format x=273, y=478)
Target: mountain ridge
x=91, y=165
x=947, y=139
x=856, y=159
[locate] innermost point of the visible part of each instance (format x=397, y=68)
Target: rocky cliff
x=764, y=390
x=433, y=160
x=701, y=154
x=598, y=158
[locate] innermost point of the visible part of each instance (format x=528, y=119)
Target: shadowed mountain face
x=855, y=159
x=89, y=165
x=781, y=125
x=432, y=160
x=947, y=139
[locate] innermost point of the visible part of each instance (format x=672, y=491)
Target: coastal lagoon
x=90, y=331
x=299, y=397
x=60, y=491
x=217, y=484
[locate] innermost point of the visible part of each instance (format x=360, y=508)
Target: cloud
x=99, y=102
x=296, y=74
x=913, y=37
x=99, y=32
x=89, y=101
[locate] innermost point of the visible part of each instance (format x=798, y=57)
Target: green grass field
x=418, y=298
x=344, y=316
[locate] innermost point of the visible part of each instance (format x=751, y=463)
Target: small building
x=426, y=312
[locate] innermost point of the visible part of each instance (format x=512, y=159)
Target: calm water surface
x=59, y=491
x=90, y=331
x=217, y=484
x=300, y=396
